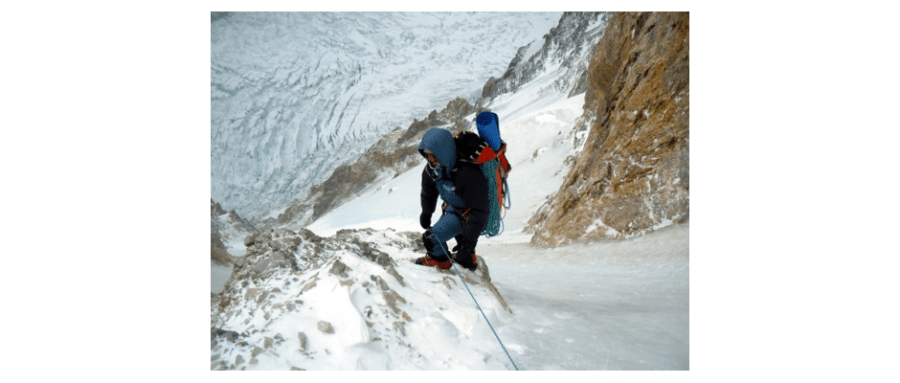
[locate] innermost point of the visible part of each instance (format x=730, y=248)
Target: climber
x=464, y=190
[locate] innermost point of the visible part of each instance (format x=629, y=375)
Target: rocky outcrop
x=290, y=276
x=219, y=253
x=566, y=47
x=222, y=220
x=223, y=226
x=633, y=173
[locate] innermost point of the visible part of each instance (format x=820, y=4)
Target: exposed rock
x=339, y=268
x=392, y=271
x=483, y=270
x=376, y=255
x=308, y=235
x=393, y=298
x=302, y=338
x=272, y=249
x=216, y=208
x=382, y=284
x=230, y=336
x=256, y=294
x=448, y=282
x=219, y=254
x=239, y=221
x=325, y=327
x=499, y=296
x=265, y=263
x=309, y=285
x=566, y=46
x=400, y=327
x=367, y=250
x=255, y=351
x=223, y=226
x=633, y=173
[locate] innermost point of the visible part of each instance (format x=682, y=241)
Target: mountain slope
x=563, y=57
x=294, y=95
x=351, y=301
x=342, y=293
x=634, y=174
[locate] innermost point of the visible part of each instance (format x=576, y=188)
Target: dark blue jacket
x=460, y=184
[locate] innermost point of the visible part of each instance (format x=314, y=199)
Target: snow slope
x=592, y=306
x=601, y=306
x=538, y=132
x=341, y=310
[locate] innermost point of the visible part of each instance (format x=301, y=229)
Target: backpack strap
x=470, y=147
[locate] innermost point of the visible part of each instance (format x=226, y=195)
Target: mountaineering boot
x=429, y=261
x=470, y=262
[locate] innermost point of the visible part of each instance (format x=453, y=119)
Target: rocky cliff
x=633, y=173
x=567, y=47
x=225, y=225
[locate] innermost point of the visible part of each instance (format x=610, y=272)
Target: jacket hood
x=440, y=142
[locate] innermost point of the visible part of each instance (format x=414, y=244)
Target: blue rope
x=495, y=222
x=441, y=244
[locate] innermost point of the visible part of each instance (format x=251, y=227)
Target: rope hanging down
x=478, y=306
x=495, y=220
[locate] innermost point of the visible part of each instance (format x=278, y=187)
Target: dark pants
x=448, y=226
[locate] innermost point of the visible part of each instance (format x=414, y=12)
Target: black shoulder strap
x=469, y=146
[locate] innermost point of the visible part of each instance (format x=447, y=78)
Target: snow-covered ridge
x=568, y=46
x=351, y=301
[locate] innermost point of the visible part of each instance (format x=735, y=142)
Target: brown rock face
x=633, y=173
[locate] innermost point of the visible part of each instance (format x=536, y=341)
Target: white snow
x=600, y=306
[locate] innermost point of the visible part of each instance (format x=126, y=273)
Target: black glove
x=425, y=220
